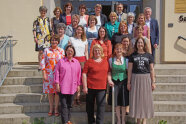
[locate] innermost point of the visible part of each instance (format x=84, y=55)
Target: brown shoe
x=69, y=122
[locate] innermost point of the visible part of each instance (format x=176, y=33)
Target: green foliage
x=162, y=122
x=24, y=122
x=39, y=121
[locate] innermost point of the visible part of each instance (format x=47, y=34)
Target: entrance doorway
x=106, y=9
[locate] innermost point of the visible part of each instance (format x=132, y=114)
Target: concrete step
x=171, y=78
x=23, y=80
x=169, y=96
x=24, y=73
x=23, y=98
x=171, y=87
x=10, y=89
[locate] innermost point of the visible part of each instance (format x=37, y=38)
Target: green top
x=119, y=71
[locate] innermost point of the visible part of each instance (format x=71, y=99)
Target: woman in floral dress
x=50, y=58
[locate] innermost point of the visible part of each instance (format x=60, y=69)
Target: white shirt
x=122, y=61
x=130, y=28
x=82, y=21
x=79, y=46
x=99, y=20
x=148, y=23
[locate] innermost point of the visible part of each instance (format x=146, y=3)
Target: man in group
x=154, y=29
x=121, y=15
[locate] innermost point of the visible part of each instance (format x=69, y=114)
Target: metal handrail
x=6, y=57
x=180, y=37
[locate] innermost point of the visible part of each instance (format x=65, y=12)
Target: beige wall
x=174, y=50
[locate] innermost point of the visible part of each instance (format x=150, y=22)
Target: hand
x=155, y=45
x=44, y=76
x=128, y=86
x=153, y=86
x=111, y=84
x=35, y=39
x=78, y=89
x=85, y=90
x=57, y=88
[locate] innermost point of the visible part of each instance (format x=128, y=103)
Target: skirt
x=140, y=97
x=121, y=94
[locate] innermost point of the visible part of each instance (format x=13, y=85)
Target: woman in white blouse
x=83, y=17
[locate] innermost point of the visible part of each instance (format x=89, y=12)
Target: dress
x=49, y=60
x=42, y=29
x=119, y=77
x=140, y=96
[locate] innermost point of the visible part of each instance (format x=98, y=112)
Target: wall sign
x=180, y=6
x=182, y=18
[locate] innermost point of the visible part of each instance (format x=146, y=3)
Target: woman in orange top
x=103, y=41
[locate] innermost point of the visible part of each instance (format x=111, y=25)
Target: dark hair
x=70, y=46
x=125, y=36
x=55, y=37
x=145, y=48
x=57, y=8
x=82, y=6
x=68, y=4
x=106, y=37
x=117, y=45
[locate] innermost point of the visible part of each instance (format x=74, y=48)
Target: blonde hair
x=83, y=35
x=113, y=14
x=99, y=47
x=91, y=17
x=141, y=14
x=76, y=16
x=98, y=5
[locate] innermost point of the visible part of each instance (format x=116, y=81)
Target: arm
x=149, y=49
x=152, y=76
x=93, y=42
x=52, y=26
x=110, y=82
x=109, y=49
x=86, y=51
x=34, y=31
x=157, y=33
x=130, y=65
x=148, y=33
x=84, y=79
x=42, y=65
x=56, y=76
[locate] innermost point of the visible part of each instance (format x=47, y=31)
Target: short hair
x=57, y=8
x=147, y=8
x=97, y=46
x=68, y=4
x=61, y=25
x=70, y=46
x=98, y=5
x=141, y=14
x=119, y=4
x=43, y=8
x=82, y=6
x=113, y=14
x=76, y=16
x=131, y=14
x=123, y=23
x=55, y=37
x=145, y=48
x=83, y=36
x=116, y=46
x=92, y=17
x=106, y=36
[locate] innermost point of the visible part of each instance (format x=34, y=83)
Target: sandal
x=50, y=114
x=56, y=114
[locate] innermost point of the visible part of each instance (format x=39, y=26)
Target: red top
x=107, y=47
x=96, y=73
x=68, y=20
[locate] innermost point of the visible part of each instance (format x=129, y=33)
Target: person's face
x=130, y=19
x=68, y=9
x=82, y=11
x=75, y=21
x=148, y=13
x=140, y=44
x=92, y=22
x=119, y=8
x=79, y=31
x=139, y=31
x=54, y=43
x=125, y=43
x=43, y=13
x=118, y=51
x=98, y=10
x=57, y=13
x=123, y=28
x=70, y=52
x=141, y=19
x=113, y=18
x=102, y=33
x=97, y=53
x=61, y=31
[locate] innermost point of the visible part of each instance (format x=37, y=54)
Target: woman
x=61, y=27
x=66, y=17
x=94, y=84
x=141, y=82
x=65, y=69
x=117, y=78
x=83, y=17
x=91, y=31
x=55, y=20
x=41, y=32
x=139, y=33
x=70, y=30
x=126, y=42
x=123, y=31
x=112, y=26
x=80, y=44
x=103, y=41
x=130, y=23
x=141, y=22
x=49, y=59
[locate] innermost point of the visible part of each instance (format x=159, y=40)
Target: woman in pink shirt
x=67, y=78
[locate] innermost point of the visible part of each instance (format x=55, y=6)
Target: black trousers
x=66, y=104
x=99, y=96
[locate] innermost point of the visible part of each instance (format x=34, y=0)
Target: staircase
x=21, y=98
